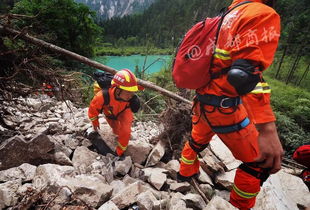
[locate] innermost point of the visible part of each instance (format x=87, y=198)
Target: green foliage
x=291, y=101
x=6, y=5
x=164, y=22
x=292, y=109
x=290, y=133
x=62, y=22
x=295, y=17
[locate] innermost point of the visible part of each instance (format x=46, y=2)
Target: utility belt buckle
x=227, y=98
x=222, y=103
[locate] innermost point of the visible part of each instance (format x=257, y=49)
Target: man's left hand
x=271, y=151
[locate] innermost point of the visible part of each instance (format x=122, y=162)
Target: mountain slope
x=164, y=22
x=107, y=9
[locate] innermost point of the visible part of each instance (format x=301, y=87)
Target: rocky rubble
x=50, y=161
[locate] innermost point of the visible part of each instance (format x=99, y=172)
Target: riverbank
x=126, y=51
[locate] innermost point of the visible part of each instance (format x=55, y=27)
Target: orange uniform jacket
x=122, y=125
x=251, y=32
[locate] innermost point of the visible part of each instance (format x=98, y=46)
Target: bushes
x=291, y=101
x=292, y=109
x=290, y=133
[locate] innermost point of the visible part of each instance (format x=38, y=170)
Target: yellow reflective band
x=224, y=52
x=187, y=162
x=131, y=89
x=244, y=194
x=120, y=146
x=261, y=87
x=127, y=77
x=222, y=57
x=93, y=118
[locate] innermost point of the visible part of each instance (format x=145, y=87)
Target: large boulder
x=123, y=167
x=146, y=200
x=283, y=191
x=156, y=176
x=138, y=151
x=83, y=158
x=16, y=151
x=128, y=195
x=89, y=188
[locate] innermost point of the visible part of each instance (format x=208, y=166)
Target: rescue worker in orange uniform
x=235, y=105
x=119, y=110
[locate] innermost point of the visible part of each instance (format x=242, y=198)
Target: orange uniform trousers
x=243, y=144
x=122, y=128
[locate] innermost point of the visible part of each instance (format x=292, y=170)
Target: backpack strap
x=223, y=14
x=106, y=97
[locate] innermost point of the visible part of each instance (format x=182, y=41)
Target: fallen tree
x=87, y=61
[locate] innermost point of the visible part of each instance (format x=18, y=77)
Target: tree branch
x=88, y=62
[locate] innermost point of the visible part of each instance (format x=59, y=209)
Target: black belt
x=219, y=101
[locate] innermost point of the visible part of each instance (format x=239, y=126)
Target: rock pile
x=50, y=163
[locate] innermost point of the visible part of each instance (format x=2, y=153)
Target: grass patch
x=126, y=51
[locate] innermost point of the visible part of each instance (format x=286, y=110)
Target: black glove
x=134, y=104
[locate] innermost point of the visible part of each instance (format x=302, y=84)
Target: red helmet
x=125, y=80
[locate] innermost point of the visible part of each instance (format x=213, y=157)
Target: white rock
x=226, y=179
x=24, y=172
x=194, y=200
x=173, y=167
x=207, y=190
x=218, y=203
x=157, y=179
x=82, y=158
x=23, y=189
x=155, y=176
x=156, y=154
x=204, y=177
x=108, y=206
x=177, y=203
x=128, y=195
x=8, y=193
x=138, y=151
x=180, y=187
x=223, y=153
x=118, y=186
x=223, y=194
x=123, y=167
x=146, y=200
x=283, y=192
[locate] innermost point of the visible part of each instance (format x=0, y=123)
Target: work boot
x=181, y=178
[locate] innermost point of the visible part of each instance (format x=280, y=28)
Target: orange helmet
x=125, y=80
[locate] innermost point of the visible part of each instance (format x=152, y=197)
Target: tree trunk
x=88, y=61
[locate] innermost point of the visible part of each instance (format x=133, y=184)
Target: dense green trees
x=61, y=22
x=166, y=21
x=163, y=23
